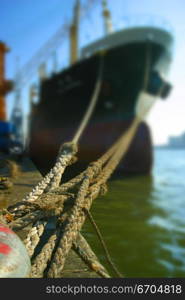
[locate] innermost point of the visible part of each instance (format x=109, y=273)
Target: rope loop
x=68, y=148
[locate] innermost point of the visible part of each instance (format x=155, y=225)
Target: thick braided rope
x=121, y=149
x=62, y=162
x=71, y=230
x=68, y=151
x=43, y=258
x=77, y=217
x=28, y=219
x=112, y=163
x=81, y=195
x=40, y=263
x=21, y=208
x=70, y=184
x=83, y=249
x=51, y=203
x=33, y=237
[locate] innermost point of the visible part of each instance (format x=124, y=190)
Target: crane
x=6, y=128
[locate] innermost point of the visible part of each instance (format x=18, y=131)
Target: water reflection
x=168, y=195
x=142, y=220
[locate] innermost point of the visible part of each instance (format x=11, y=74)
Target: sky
x=26, y=25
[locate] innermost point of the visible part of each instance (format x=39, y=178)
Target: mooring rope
x=33, y=236
x=107, y=255
x=87, y=255
x=92, y=181
x=91, y=106
x=41, y=261
x=70, y=201
x=67, y=152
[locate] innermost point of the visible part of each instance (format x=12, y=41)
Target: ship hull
x=65, y=97
x=93, y=144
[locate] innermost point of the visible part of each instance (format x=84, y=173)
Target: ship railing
x=128, y=22
x=144, y=20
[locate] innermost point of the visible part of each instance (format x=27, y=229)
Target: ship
x=133, y=58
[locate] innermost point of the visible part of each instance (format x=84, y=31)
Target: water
x=143, y=220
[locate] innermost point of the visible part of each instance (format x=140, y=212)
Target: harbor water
x=142, y=220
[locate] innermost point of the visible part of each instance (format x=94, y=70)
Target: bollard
x=14, y=260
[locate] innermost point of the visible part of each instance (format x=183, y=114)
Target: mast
x=42, y=71
x=107, y=18
x=74, y=33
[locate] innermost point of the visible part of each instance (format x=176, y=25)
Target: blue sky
x=27, y=24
